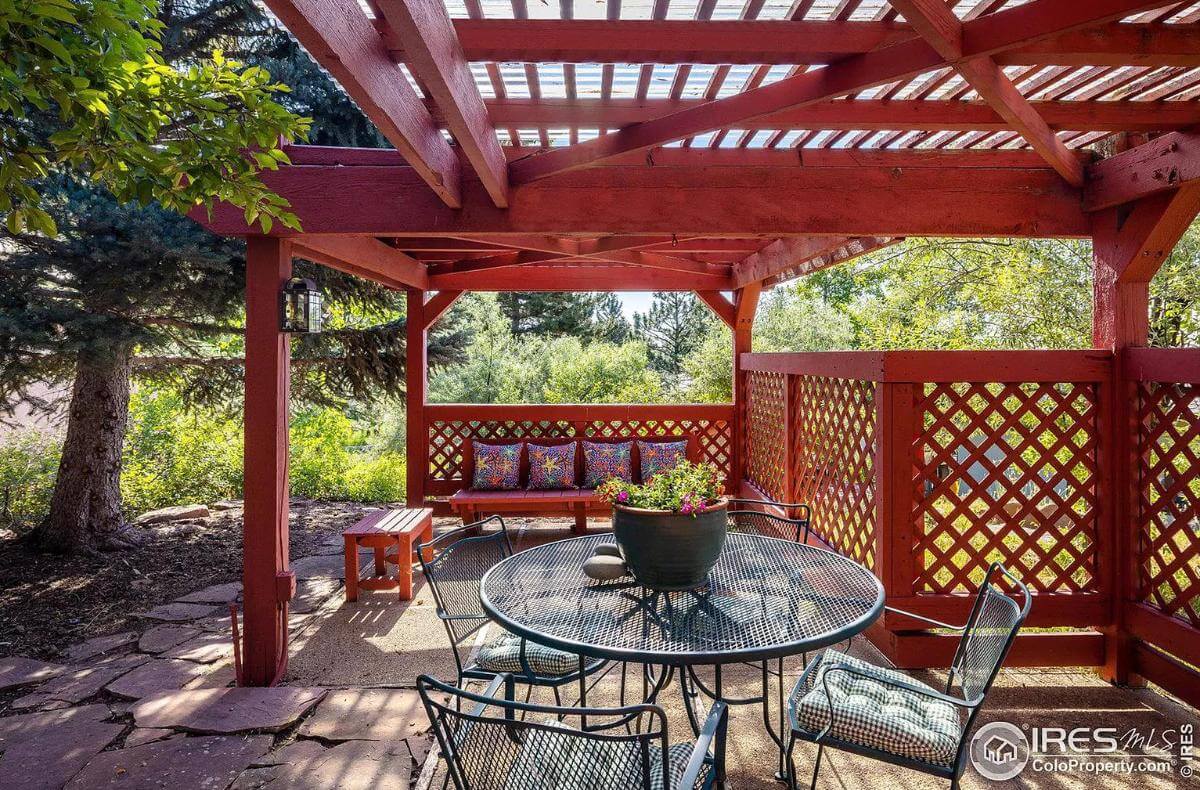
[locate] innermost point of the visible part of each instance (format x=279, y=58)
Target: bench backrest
x=468, y=452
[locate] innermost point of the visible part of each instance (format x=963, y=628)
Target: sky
x=635, y=302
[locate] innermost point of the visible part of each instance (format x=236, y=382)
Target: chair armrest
x=712, y=734
x=897, y=684
x=924, y=619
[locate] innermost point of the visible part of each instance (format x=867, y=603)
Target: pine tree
x=608, y=319
x=672, y=328
x=549, y=314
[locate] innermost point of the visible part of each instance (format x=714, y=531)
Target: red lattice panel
x=834, y=461
x=1006, y=472
x=1168, y=507
x=713, y=436
x=766, y=433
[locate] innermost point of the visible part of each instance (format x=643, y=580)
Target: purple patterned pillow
x=551, y=466
x=660, y=457
x=497, y=467
x=606, y=460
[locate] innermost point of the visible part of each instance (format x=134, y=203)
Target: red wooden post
x=416, y=438
x=895, y=427
x=745, y=305
x=265, y=580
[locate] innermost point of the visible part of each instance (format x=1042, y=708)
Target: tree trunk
x=85, y=510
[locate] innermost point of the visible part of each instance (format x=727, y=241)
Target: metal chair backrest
x=490, y=742
x=743, y=517
x=460, y=559
x=988, y=636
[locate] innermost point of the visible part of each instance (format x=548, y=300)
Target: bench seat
x=472, y=505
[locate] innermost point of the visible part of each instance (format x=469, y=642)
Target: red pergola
x=721, y=149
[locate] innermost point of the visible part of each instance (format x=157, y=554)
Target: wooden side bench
x=472, y=505
x=392, y=534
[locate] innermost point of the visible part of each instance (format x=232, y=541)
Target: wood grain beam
x=981, y=37
x=722, y=308
x=1161, y=165
x=437, y=305
x=936, y=23
x=364, y=256
x=782, y=255
x=580, y=275
x=338, y=35
x=437, y=62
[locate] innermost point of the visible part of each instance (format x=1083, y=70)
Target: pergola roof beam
x=981, y=37
x=1163, y=164
x=365, y=257
x=340, y=37
x=938, y=25
x=437, y=62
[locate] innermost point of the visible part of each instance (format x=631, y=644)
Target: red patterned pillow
x=551, y=466
x=606, y=460
x=660, y=457
x=497, y=467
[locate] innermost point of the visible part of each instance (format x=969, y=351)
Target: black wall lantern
x=300, y=306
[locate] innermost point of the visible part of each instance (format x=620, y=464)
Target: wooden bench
x=391, y=533
x=472, y=505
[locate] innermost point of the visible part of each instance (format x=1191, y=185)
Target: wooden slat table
x=391, y=533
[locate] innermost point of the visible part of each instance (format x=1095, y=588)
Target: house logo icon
x=999, y=751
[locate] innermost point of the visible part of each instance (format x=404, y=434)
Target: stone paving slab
x=179, y=612
x=226, y=710
x=207, y=648
x=368, y=715
x=101, y=645
x=77, y=685
x=217, y=593
x=311, y=593
x=203, y=762
x=17, y=671
x=161, y=638
x=142, y=735
x=355, y=765
x=42, y=751
x=157, y=676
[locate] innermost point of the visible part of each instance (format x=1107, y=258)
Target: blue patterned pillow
x=606, y=460
x=660, y=457
x=551, y=467
x=497, y=467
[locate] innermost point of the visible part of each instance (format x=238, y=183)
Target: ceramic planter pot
x=670, y=551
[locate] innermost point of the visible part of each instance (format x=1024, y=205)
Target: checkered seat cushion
x=559, y=759
x=874, y=714
x=503, y=654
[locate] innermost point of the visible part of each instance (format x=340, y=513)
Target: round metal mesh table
x=765, y=598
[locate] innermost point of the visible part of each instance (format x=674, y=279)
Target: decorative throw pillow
x=551, y=466
x=606, y=460
x=660, y=457
x=497, y=467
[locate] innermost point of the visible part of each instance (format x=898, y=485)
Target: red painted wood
x=392, y=533
x=787, y=42
x=941, y=366
x=416, y=361
x=1073, y=610
x=580, y=274
x=701, y=201
x=340, y=37
x=896, y=418
x=265, y=531
x=1162, y=364
x=871, y=114
x=722, y=308
x=365, y=257
x=1175, y=677
x=1164, y=632
x=982, y=36
x=784, y=254
x=437, y=62
x=1162, y=164
x=924, y=650
x=437, y=305
x=745, y=301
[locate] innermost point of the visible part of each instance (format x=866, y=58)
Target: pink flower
x=623, y=496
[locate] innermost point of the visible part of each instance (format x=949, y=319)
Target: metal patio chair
x=849, y=704
x=744, y=518
x=493, y=743
x=460, y=559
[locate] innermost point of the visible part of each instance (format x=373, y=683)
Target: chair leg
x=790, y=771
x=817, y=765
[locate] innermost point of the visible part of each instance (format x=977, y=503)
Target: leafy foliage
x=672, y=329
x=687, y=488
x=84, y=85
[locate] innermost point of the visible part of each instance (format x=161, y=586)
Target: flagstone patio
x=157, y=707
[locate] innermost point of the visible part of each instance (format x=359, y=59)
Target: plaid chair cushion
x=559, y=759
x=874, y=714
x=503, y=654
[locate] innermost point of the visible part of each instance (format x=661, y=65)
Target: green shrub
x=28, y=465
x=377, y=479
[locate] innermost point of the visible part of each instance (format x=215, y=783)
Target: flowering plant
x=686, y=488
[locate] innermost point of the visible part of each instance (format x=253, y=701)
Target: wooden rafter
x=365, y=257
x=580, y=275
x=438, y=64
x=343, y=41
x=722, y=308
x=981, y=37
x=938, y=25
x=1162, y=164
x=752, y=42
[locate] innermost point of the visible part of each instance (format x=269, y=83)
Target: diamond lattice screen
x=766, y=432
x=1006, y=472
x=1168, y=506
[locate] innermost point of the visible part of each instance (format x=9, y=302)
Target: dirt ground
x=48, y=603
